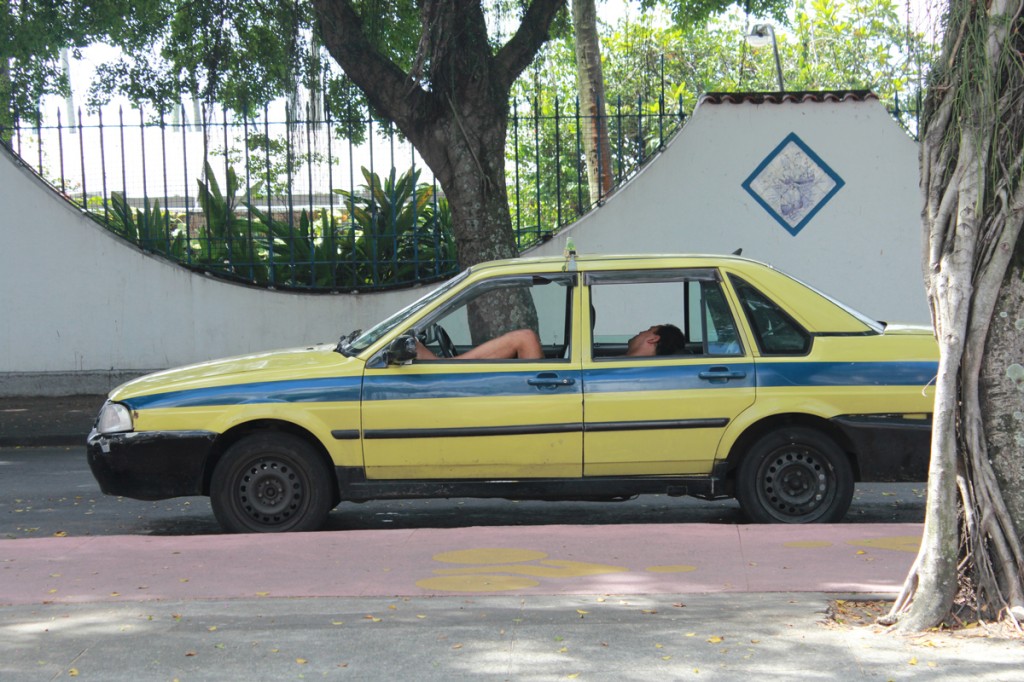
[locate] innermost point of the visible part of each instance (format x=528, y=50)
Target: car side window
x=623, y=305
x=774, y=330
x=495, y=307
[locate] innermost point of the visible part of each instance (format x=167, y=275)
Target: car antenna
x=738, y=251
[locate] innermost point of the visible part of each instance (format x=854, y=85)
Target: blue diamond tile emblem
x=793, y=184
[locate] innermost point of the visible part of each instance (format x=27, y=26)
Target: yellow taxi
x=577, y=378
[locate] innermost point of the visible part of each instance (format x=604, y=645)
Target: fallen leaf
x=420, y=616
x=564, y=650
x=582, y=612
x=666, y=658
x=861, y=551
x=392, y=607
x=456, y=646
x=648, y=611
x=715, y=639
x=371, y=618
x=60, y=534
x=190, y=653
x=691, y=634
x=73, y=672
x=913, y=661
x=212, y=628
x=337, y=622
x=262, y=594
x=301, y=661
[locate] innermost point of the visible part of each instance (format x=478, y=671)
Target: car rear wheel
x=268, y=483
x=795, y=475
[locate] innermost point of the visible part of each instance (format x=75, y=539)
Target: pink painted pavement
x=538, y=560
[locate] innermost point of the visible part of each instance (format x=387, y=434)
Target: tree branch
x=521, y=48
x=386, y=86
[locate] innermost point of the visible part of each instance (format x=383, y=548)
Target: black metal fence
x=308, y=202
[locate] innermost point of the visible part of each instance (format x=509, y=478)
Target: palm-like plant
x=399, y=231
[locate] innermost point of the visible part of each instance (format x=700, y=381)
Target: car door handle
x=722, y=374
x=550, y=380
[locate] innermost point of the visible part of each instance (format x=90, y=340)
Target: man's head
x=661, y=339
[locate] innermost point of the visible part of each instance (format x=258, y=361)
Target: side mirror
x=401, y=350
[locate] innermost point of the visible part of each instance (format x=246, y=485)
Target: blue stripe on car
x=300, y=391
x=465, y=385
x=663, y=378
x=781, y=374
x=494, y=384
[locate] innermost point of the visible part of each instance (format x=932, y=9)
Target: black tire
x=795, y=475
x=271, y=483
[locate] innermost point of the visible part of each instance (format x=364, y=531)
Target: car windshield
x=376, y=332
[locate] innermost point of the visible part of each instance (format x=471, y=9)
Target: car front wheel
x=795, y=475
x=269, y=483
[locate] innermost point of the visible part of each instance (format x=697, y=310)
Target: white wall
x=82, y=309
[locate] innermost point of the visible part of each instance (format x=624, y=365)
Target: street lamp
x=759, y=36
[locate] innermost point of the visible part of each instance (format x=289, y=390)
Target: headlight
x=114, y=418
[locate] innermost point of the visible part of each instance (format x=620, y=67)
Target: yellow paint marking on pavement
x=807, y=544
x=549, y=569
x=477, y=583
x=897, y=543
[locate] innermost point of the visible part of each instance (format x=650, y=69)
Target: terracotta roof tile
x=779, y=97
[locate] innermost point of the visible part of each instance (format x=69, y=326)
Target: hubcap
x=795, y=482
x=270, y=491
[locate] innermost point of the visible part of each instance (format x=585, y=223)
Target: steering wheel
x=444, y=342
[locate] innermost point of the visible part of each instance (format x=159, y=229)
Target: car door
x=663, y=414
x=452, y=418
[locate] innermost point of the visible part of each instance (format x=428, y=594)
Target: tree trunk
x=452, y=104
x=590, y=81
x=971, y=173
x=1002, y=387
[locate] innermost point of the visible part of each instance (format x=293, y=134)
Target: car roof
x=615, y=261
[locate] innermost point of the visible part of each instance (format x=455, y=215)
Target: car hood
x=289, y=365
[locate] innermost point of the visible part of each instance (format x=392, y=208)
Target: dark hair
x=670, y=340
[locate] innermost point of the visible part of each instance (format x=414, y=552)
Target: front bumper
x=150, y=465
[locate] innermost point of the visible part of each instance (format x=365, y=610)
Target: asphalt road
x=50, y=491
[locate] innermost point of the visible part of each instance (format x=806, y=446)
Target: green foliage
x=400, y=231
x=391, y=232
x=33, y=33
x=149, y=227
